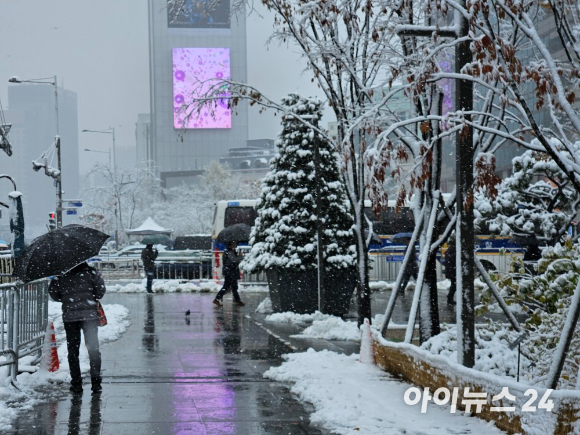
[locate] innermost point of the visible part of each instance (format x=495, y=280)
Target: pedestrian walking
x=231, y=272
x=148, y=256
x=412, y=268
x=78, y=290
x=450, y=271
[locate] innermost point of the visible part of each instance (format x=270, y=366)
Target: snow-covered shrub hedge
x=546, y=299
x=285, y=230
x=537, y=200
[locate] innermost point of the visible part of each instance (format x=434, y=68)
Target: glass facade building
x=185, y=48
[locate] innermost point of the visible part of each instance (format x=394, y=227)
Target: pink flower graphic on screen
x=179, y=75
x=195, y=71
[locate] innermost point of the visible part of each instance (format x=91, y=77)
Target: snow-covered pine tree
x=285, y=230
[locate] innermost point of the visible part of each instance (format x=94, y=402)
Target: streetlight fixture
x=104, y=152
x=110, y=130
x=58, y=177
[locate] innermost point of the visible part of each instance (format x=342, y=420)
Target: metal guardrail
x=386, y=266
x=182, y=268
x=382, y=267
x=129, y=268
x=23, y=321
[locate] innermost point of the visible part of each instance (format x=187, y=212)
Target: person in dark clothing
x=231, y=272
x=148, y=256
x=412, y=269
x=450, y=271
x=78, y=290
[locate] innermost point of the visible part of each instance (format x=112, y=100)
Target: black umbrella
x=234, y=233
x=60, y=250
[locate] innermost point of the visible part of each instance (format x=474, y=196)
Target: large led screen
x=193, y=71
x=199, y=14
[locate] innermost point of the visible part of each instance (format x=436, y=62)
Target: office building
x=31, y=111
x=186, y=51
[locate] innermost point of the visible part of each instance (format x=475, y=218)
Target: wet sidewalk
x=172, y=374
x=200, y=374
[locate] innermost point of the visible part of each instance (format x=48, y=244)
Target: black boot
x=76, y=388
x=96, y=385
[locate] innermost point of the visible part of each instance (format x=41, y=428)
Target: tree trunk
x=464, y=228
x=363, y=289
x=430, y=288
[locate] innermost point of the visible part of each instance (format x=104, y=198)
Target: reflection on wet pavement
x=173, y=373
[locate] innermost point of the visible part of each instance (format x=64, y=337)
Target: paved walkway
x=169, y=374
x=173, y=375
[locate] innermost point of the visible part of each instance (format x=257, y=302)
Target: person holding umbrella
x=231, y=272
x=78, y=290
x=148, y=256
x=62, y=253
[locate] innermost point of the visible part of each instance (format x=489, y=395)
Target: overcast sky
x=99, y=49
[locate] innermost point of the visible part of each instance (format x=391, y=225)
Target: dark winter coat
x=148, y=257
x=450, y=261
x=232, y=260
x=78, y=290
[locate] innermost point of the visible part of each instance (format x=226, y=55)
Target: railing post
x=13, y=344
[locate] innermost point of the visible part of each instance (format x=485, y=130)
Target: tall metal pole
x=319, y=223
x=115, y=187
x=464, y=228
x=114, y=153
x=57, y=144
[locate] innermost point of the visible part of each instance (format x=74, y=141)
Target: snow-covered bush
x=546, y=299
x=285, y=230
x=537, y=200
x=492, y=352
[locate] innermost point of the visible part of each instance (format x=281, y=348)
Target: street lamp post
x=51, y=81
x=104, y=152
x=111, y=131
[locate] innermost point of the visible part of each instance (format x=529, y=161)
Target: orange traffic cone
x=367, y=348
x=53, y=364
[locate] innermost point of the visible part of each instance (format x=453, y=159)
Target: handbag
x=102, y=320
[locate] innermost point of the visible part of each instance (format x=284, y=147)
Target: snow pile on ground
x=179, y=286
x=166, y=286
x=31, y=383
x=492, y=352
x=324, y=326
x=290, y=317
x=333, y=328
x=350, y=397
x=265, y=306
x=381, y=285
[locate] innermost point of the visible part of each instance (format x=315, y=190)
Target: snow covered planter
x=425, y=370
x=297, y=291
x=284, y=239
